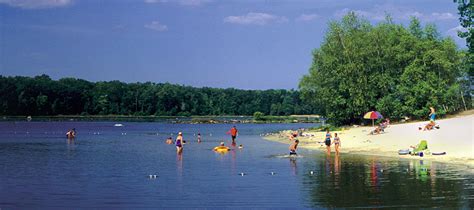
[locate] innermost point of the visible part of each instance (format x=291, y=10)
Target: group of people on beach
x=429, y=126
x=336, y=141
x=381, y=127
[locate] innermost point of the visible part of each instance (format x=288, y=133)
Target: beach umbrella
x=373, y=115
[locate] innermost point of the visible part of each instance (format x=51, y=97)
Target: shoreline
x=455, y=137
x=210, y=119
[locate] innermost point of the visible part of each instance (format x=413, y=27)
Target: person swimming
x=169, y=140
x=221, y=148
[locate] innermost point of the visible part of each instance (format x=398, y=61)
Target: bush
x=258, y=116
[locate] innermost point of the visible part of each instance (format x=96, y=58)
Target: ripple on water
x=110, y=171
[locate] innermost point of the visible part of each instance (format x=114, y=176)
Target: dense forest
x=41, y=95
x=399, y=71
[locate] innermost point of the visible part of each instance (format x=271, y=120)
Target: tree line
x=43, y=96
x=399, y=71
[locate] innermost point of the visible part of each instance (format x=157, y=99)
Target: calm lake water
x=109, y=167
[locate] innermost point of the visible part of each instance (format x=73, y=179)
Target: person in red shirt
x=233, y=132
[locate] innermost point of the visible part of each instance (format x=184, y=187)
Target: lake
x=110, y=167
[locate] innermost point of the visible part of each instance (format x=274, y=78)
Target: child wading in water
x=337, y=143
x=293, y=147
x=199, y=137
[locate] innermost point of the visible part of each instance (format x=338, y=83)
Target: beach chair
x=421, y=147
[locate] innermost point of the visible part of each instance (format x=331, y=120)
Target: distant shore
x=455, y=137
x=169, y=119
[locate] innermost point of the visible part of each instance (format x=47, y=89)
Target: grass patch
x=326, y=127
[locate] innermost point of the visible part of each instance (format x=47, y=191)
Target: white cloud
x=307, y=17
x=36, y=4
x=255, y=19
x=378, y=12
x=155, y=1
x=369, y=15
x=453, y=33
x=156, y=25
x=193, y=2
x=180, y=2
x=408, y=15
x=443, y=16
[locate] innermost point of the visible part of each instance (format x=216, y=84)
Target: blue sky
x=248, y=44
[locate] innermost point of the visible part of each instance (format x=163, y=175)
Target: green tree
x=43, y=96
x=396, y=70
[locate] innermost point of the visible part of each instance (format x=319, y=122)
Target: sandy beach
x=455, y=137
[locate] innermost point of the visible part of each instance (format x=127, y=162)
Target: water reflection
x=375, y=173
x=328, y=165
x=294, y=169
x=337, y=170
x=233, y=164
x=179, y=163
x=350, y=181
x=421, y=169
x=71, y=147
x=70, y=142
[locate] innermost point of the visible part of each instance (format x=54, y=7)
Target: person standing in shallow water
x=327, y=141
x=293, y=147
x=233, y=133
x=337, y=143
x=71, y=133
x=199, y=137
x=179, y=143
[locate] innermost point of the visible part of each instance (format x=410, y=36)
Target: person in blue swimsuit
x=432, y=114
x=327, y=141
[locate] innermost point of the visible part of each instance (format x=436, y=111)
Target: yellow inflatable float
x=221, y=149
